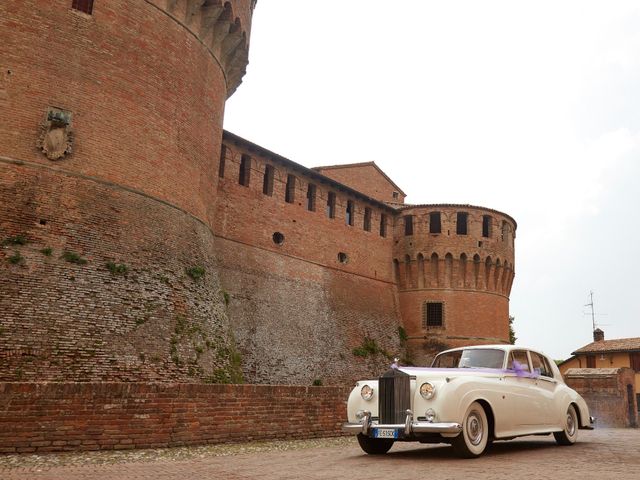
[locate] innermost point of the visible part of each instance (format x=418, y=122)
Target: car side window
x=540, y=365
x=518, y=361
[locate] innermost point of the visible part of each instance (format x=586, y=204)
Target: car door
x=545, y=386
x=523, y=406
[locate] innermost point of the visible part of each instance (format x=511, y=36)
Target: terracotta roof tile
x=616, y=345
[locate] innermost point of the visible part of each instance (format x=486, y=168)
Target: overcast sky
x=530, y=108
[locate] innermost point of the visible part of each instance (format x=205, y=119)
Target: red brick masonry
x=46, y=417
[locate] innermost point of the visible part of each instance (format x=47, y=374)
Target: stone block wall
x=606, y=391
x=47, y=417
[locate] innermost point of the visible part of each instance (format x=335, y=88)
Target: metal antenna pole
x=593, y=315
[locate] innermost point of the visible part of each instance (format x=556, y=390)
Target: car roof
x=499, y=346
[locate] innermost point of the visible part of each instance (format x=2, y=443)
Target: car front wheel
x=374, y=446
x=472, y=441
x=570, y=433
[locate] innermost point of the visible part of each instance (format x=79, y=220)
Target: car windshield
x=471, y=358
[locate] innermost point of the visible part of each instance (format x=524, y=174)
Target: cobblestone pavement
x=600, y=454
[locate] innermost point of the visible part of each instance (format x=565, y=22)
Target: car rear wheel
x=374, y=446
x=473, y=439
x=570, y=433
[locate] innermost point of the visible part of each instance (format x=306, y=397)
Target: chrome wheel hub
x=474, y=429
x=571, y=425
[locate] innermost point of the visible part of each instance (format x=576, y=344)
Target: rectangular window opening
x=408, y=224
x=486, y=226
x=433, y=315
x=311, y=197
x=84, y=6
x=267, y=183
x=349, y=219
x=331, y=205
x=245, y=170
x=223, y=159
x=591, y=361
x=290, y=194
x=383, y=225
x=367, y=219
x=461, y=223
x=435, y=226
x=635, y=361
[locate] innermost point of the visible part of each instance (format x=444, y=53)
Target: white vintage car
x=469, y=397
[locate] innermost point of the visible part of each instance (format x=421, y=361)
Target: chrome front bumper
x=410, y=426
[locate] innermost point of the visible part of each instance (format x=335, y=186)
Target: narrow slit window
x=433, y=315
x=435, y=225
x=350, y=213
x=245, y=170
x=84, y=6
x=461, y=223
x=408, y=225
x=486, y=226
x=331, y=205
x=267, y=183
x=290, y=194
x=383, y=225
x=311, y=197
x=367, y=219
x=223, y=159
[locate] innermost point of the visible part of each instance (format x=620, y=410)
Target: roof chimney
x=598, y=335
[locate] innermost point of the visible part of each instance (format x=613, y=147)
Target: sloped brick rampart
x=46, y=417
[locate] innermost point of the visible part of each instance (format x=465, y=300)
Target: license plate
x=385, y=433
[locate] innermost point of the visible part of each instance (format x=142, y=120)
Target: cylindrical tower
x=108, y=167
x=454, y=267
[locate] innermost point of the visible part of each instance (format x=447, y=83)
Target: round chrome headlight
x=366, y=393
x=427, y=390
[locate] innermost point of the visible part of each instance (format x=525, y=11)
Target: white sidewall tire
x=474, y=437
x=570, y=433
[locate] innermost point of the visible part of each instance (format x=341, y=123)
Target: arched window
x=290, y=192
x=267, y=182
x=487, y=221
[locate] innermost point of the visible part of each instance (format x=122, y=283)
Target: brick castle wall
x=47, y=417
x=132, y=204
x=606, y=392
x=297, y=311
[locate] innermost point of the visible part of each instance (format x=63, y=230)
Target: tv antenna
x=593, y=314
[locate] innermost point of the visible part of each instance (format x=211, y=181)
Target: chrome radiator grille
x=394, y=401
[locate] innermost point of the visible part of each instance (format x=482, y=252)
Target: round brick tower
x=108, y=171
x=454, y=266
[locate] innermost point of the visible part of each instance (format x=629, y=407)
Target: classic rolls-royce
x=469, y=397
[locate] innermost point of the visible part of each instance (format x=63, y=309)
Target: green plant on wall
x=117, y=268
x=16, y=240
x=47, y=251
x=196, y=273
x=369, y=347
x=73, y=257
x=16, y=259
